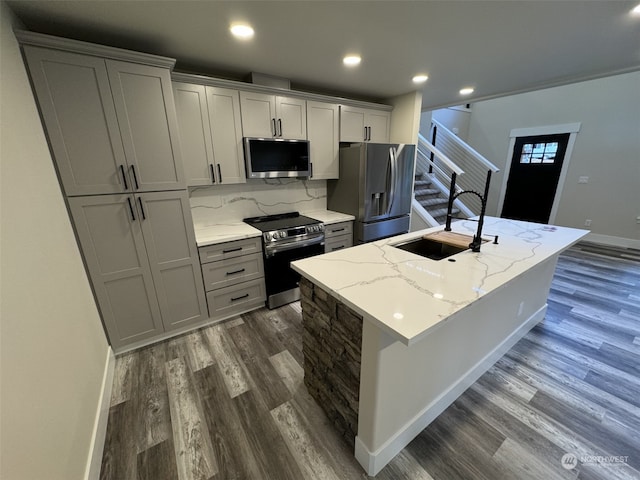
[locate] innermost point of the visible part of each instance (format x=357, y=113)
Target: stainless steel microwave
x=276, y=157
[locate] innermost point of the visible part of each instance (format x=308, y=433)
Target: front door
x=533, y=178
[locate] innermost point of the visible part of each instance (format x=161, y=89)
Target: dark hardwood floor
x=228, y=401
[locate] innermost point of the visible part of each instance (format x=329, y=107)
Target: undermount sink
x=430, y=248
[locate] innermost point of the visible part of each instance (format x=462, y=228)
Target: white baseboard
x=373, y=462
x=96, y=449
x=612, y=241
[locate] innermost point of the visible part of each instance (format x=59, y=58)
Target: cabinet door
x=146, y=114
x=226, y=132
x=352, y=126
x=291, y=118
x=258, y=115
x=111, y=240
x=166, y=223
x=323, y=131
x=80, y=120
x=379, y=122
x=195, y=136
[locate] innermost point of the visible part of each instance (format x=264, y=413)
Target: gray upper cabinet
x=226, y=132
x=144, y=266
x=323, y=130
x=111, y=124
x=268, y=116
x=210, y=134
x=195, y=136
x=146, y=114
x=364, y=125
x=75, y=101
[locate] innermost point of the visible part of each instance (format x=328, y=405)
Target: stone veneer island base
x=391, y=339
x=331, y=342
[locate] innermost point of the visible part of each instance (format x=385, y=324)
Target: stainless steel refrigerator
x=375, y=185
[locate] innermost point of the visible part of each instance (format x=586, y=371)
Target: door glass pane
x=526, y=153
x=550, y=151
x=537, y=153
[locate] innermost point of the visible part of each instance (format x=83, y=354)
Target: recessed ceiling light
x=351, y=60
x=241, y=30
x=421, y=78
x=636, y=10
x=466, y=91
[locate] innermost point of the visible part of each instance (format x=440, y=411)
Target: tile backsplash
x=232, y=203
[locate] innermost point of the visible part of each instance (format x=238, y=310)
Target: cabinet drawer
x=236, y=299
x=222, y=251
x=338, y=243
x=338, y=229
x=232, y=271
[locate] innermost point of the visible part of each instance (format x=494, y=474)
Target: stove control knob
x=274, y=235
x=321, y=227
x=311, y=229
x=283, y=234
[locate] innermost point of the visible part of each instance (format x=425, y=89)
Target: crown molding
x=25, y=37
x=252, y=87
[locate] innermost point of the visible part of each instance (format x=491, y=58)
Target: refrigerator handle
x=392, y=189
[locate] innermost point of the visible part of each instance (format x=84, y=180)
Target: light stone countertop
x=408, y=295
x=228, y=231
x=224, y=232
x=329, y=217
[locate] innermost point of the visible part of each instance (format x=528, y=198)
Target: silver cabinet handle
x=240, y=297
x=219, y=174
x=213, y=175
x=365, y=134
x=274, y=131
x=279, y=127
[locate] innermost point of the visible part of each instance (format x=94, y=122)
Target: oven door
x=281, y=280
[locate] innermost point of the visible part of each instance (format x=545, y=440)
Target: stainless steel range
x=286, y=237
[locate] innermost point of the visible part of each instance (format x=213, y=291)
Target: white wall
x=405, y=117
x=53, y=348
x=607, y=148
x=455, y=119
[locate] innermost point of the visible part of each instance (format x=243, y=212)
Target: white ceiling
x=498, y=47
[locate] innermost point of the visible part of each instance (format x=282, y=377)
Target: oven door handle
x=269, y=250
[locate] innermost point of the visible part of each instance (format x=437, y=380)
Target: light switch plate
x=583, y=180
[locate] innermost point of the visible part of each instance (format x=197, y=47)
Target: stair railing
x=463, y=156
x=430, y=159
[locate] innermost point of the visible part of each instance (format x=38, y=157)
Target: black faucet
x=477, y=238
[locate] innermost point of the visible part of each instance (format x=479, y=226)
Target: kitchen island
x=392, y=338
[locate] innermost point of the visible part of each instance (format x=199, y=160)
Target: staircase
x=434, y=168
x=433, y=200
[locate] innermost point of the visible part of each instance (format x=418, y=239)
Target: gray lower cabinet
x=141, y=256
x=111, y=124
x=338, y=236
x=233, y=275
